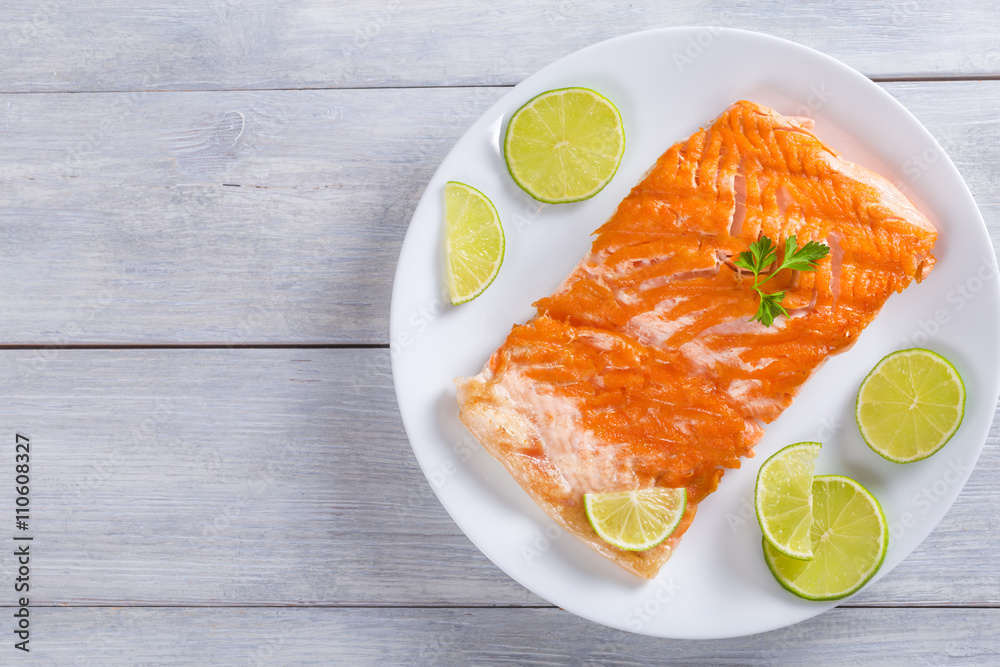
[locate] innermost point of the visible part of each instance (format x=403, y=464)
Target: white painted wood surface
x=241, y=44
x=358, y=636
x=216, y=499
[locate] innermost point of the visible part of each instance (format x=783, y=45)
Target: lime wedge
x=474, y=241
x=783, y=499
x=849, y=541
x=564, y=145
x=910, y=405
x=636, y=520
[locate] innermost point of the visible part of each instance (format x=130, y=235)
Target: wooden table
x=201, y=206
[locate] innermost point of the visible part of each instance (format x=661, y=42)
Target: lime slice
x=849, y=540
x=783, y=499
x=910, y=405
x=636, y=520
x=474, y=241
x=564, y=145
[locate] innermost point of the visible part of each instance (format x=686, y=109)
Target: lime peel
x=910, y=405
x=783, y=499
x=850, y=538
x=636, y=520
x=474, y=242
x=564, y=145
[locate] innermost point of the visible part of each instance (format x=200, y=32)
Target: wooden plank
x=118, y=228
x=119, y=222
x=228, y=477
x=488, y=637
x=283, y=476
x=131, y=45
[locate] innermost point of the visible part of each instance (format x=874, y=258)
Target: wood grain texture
x=242, y=44
x=491, y=637
x=283, y=476
x=122, y=221
x=119, y=225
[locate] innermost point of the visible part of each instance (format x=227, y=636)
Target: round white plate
x=667, y=83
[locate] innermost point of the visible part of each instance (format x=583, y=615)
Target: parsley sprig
x=762, y=254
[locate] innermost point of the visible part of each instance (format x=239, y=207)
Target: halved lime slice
x=850, y=537
x=636, y=520
x=474, y=241
x=783, y=499
x=910, y=405
x=564, y=145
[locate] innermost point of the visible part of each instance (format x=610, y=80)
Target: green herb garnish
x=762, y=254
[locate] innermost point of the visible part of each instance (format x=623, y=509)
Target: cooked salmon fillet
x=644, y=367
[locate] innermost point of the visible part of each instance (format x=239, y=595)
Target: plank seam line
x=197, y=346
x=918, y=605
x=937, y=78
x=269, y=605
x=115, y=605
x=133, y=91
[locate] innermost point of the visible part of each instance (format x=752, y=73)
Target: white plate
x=667, y=83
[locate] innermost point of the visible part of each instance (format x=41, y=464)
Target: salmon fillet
x=644, y=367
